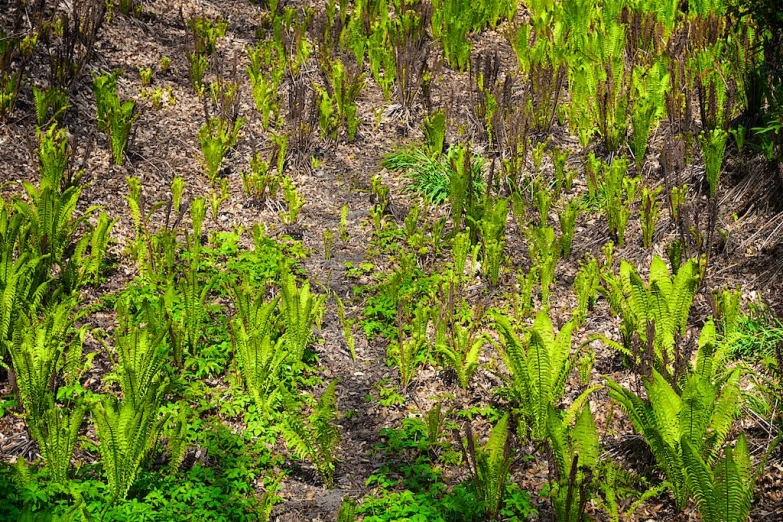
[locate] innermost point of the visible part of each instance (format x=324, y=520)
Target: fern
x=217, y=137
x=434, y=129
x=52, y=226
x=301, y=310
x=52, y=98
x=544, y=253
x=141, y=354
x=125, y=434
x=575, y=453
x=702, y=414
x=539, y=364
x=115, y=117
x=260, y=359
x=493, y=227
x=723, y=493
x=462, y=353
x=16, y=284
x=89, y=265
x=490, y=466
x=316, y=439
x=713, y=145
x=567, y=226
x=56, y=432
x=36, y=351
x=586, y=284
x=408, y=352
x=660, y=307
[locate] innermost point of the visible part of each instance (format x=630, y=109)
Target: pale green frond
x=724, y=410
x=578, y=404
x=584, y=438
x=731, y=494
x=697, y=399
x=558, y=440
x=540, y=374
x=684, y=289
x=705, y=362
x=666, y=406
x=659, y=273
x=700, y=481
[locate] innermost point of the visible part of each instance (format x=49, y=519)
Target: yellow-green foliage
x=575, y=451
x=491, y=464
x=259, y=357
x=125, y=434
x=664, y=302
x=301, y=310
x=724, y=492
x=462, y=350
x=539, y=363
x=701, y=414
x=316, y=438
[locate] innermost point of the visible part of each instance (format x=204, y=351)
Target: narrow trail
x=326, y=190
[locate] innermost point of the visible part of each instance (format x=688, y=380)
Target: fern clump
x=217, y=137
x=586, y=284
x=37, y=350
x=316, y=438
x=301, y=310
x=125, y=434
x=141, y=355
x=713, y=145
x=461, y=351
x=575, y=452
x=266, y=70
x=41, y=350
x=724, y=491
x=56, y=433
x=539, y=363
x=490, y=466
x=50, y=105
x=656, y=312
x=115, y=117
x=544, y=251
x=567, y=218
x=409, y=352
x=701, y=414
x=260, y=358
x=493, y=229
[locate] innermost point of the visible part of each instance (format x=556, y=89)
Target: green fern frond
x=125, y=435
x=301, y=311
x=700, y=480
x=317, y=439
x=492, y=463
